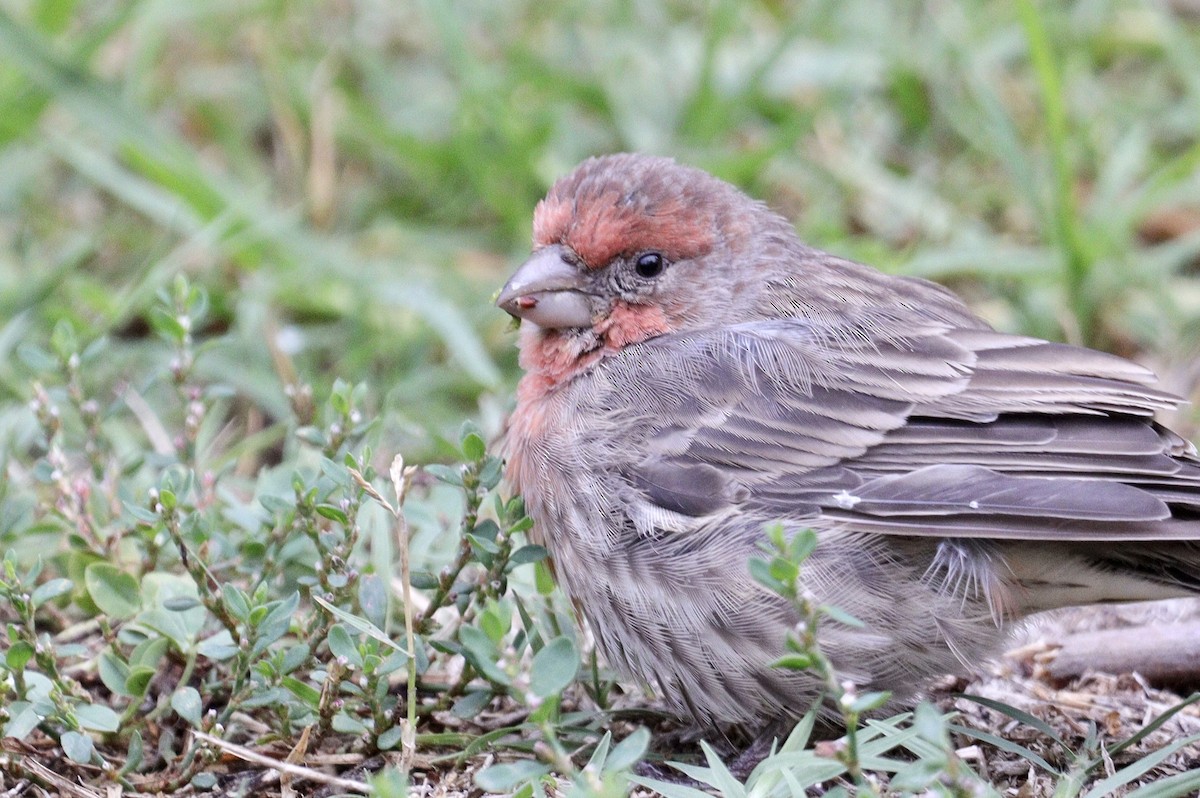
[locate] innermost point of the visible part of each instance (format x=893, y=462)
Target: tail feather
x=1175, y=565
x=1077, y=574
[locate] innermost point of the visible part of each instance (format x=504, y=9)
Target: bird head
x=631, y=246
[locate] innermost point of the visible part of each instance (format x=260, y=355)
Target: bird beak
x=549, y=290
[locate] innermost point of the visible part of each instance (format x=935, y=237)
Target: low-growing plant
x=175, y=590
x=161, y=606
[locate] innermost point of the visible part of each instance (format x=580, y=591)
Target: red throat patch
x=627, y=324
x=551, y=358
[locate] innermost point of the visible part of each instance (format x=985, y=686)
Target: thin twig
x=249, y=755
x=401, y=479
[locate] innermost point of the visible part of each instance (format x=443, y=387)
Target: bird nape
x=694, y=372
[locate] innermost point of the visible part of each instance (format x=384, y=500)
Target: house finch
x=694, y=372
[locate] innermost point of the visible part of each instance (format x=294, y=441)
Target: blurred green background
x=351, y=180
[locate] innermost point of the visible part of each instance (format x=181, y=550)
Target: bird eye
x=649, y=265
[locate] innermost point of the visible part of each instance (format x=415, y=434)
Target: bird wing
x=929, y=430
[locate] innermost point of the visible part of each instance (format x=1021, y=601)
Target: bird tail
x=1099, y=572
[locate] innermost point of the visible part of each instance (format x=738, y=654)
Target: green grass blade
x=1138, y=768
x=1017, y=714
x=1177, y=786
x=1006, y=745
x=1153, y=725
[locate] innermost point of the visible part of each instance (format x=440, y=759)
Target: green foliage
x=223, y=223
x=350, y=183
x=250, y=607
x=909, y=754
x=1095, y=756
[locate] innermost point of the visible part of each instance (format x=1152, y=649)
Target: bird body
x=695, y=373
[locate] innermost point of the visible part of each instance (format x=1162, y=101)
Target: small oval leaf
x=51, y=590
x=97, y=717
x=77, y=746
x=554, y=667
x=115, y=592
x=187, y=704
x=504, y=777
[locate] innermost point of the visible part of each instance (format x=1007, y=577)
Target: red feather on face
x=597, y=223
x=600, y=221
x=600, y=228
x=958, y=478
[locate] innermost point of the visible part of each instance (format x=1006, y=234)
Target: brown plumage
x=695, y=372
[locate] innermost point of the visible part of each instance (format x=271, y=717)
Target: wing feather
x=938, y=431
